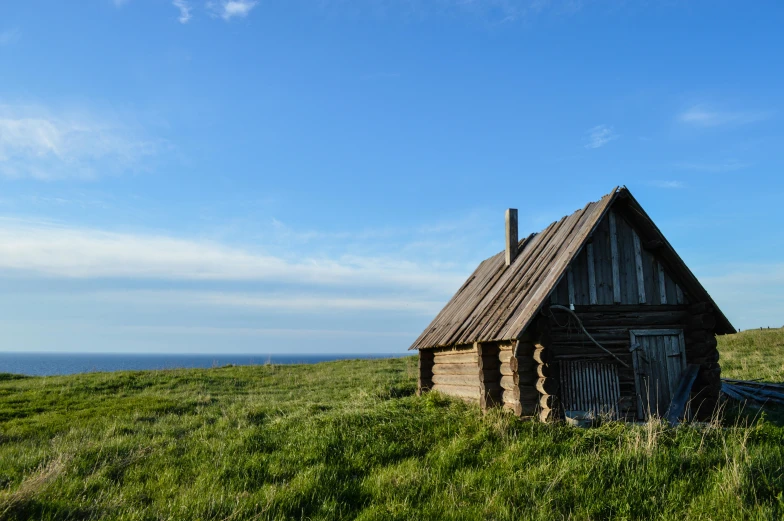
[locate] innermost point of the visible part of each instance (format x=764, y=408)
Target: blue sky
x=320, y=176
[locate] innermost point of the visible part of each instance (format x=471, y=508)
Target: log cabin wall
x=490, y=374
x=610, y=327
x=616, y=284
x=490, y=391
x=454, y=371
x=517, y=377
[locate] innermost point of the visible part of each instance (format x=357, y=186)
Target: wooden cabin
x=596, y=313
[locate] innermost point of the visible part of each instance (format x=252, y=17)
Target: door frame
x=633, y=346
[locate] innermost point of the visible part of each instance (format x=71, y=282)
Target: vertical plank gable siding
x=591, y=266
x=641, y=277
x=615, y=259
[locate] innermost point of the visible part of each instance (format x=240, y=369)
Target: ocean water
x=47, y=364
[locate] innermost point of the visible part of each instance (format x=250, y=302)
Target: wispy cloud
x=599, y=136
x=706, y=117
x=9, y=36
x=298, y=301
x=228, y=9
x=267, y=332
x=185, y=10
x=723, y=166
x=37, y=144
x=51, y=250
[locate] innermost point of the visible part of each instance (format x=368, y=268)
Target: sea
x=49, y=364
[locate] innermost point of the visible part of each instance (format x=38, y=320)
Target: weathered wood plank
x=468, y=358
x=626, y=262
x=456, y=379
x=603, y=263
x=638, y=267
x=579, y=268
x=593, y=298
x=504, y=356
x=455, y=369
x=662, y=284
x=511, y=395
x=509, y=382
x=570, y=285
x=460, y=391
x=616, y=270
x=454, y=350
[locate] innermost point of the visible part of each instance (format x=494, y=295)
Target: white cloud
x=599, y=136
x=9, y=36
x=290, y=301
x=266, y=332
x=185, y=10
x=36, y=144
x=704, y=116
x=57, y=251
x=228, y=9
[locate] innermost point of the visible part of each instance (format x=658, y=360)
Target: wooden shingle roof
x=499, y=302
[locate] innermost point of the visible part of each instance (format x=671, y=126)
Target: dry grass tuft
x=33, y=484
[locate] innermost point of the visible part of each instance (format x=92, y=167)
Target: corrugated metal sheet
x=499, y=302
x=590, y=386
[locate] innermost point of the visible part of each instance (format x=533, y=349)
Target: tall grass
x=350, y=440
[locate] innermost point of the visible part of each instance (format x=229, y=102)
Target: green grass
x=349, y=440
x=752, y=354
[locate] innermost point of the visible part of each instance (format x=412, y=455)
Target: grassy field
x=349, y=440
x=756, y=353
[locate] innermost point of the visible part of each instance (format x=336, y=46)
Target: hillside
x=343, y=440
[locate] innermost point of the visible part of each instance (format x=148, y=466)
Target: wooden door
x=659, y=358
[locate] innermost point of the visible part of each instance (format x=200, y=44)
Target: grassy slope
x=349, y=440
x=756, y=353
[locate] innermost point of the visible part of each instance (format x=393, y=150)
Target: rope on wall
x=592, y=339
